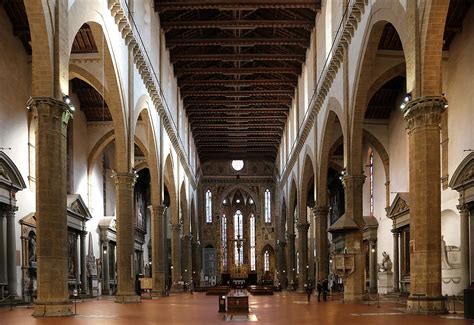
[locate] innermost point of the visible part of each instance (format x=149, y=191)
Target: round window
x=237, y=165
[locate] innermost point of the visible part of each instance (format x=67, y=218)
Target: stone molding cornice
x=353, y=16
x=152, y=85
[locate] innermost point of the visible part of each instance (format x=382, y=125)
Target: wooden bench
x=260, y=290
x=217, y=291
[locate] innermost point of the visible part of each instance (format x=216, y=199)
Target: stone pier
x=176, y=256
x=303, y=249
x=124, y=184
x=52, y=117
x=424, y=116
x=354, y=286
x=322, y=253
x=158, y=249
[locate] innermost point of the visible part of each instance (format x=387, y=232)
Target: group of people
x=321, y=287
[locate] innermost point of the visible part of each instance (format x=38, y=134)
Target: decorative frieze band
x=144, y=67
x=354, y=12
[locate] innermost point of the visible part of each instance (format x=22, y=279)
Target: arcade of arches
x=202, y=143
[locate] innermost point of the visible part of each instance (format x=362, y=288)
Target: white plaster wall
x=15, y=85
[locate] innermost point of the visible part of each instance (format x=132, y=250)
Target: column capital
x=176, y=227
x=281, y=243
x=50, y=106
x=124, y=178
x=463, y=208
x=424, y=111
x=320, y=211
x=157, y=210
x=302, y=227
x=395, y=232
x=8, y=210
x=291, y=237
x=353, y=182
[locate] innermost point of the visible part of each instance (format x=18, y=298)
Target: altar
x=239, y=271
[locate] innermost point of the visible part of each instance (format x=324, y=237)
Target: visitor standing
x=309, y=291
x=319, y=288
x=325, y=285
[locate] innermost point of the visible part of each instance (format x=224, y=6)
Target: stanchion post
x=454, y=311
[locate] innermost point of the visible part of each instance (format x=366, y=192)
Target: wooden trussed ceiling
x=92, y=104
x=237, y=64
x=386, y=99
x=456, y=12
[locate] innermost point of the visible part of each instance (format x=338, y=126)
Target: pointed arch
x=325, y=153
x=170, y=185
x=307, y=182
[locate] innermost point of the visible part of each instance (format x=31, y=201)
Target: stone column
x=187, y=253
x=105, y=267
x=281, y=244
x=424, y=116
x=465, y=272
x=396, y=261
x=158, y=248
x=3, y=248
x=51, y=223
x=354, y=286
x=303, y=249
x=84, y=285
x=124, y=183
x=291, y=259
x=176, y=255
x=11, y=251
x=372, y=270
x=322, y=254
x=197, y=254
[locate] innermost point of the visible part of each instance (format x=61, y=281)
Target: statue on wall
x=32, y=248
x=91, y=266
x=386, y=265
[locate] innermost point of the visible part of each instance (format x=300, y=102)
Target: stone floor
x=281, y=308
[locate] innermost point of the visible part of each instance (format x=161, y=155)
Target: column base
x=53, y=309
x=127, y=299
x=157, y=294
x=353, y=297
x=176, y=288
x=426, y=305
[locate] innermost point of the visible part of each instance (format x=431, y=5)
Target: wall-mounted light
x=406, y=99
x=373, y=250
x=66, y=99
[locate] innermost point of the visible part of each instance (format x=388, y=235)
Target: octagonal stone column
x=423, y=116
x=303, y=249
x=52, y=116
x=354, y=286
x=322, y=254
x=158, y=248
x=176, y=255
x=124, y=183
